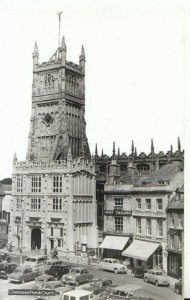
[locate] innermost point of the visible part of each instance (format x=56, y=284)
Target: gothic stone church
x=54, y=190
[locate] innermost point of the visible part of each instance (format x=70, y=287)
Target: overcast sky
x=135, y=70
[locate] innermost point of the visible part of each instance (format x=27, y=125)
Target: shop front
x=174, y=264
x=144, y=253
x=113, y=246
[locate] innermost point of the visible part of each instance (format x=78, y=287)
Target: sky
x=135, y=70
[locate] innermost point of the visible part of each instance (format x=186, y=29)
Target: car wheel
x=146, y=279
x=77, y=283
x=23, y=281
x=156, y=283
x=177, y=291
x=101, y=269
x=116, y=271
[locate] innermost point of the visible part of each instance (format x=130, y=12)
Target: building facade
x=54, y=197
x=145, y=164
x=136, y=208
x=175, y=233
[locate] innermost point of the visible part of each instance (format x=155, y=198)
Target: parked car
x=128, y=291
x=5, y=256
x=178, y=287
x=23, y=274
x=35, y=261
x=40, y=280
x=112, y=264
x=48, y=263
x=78, y=295
x=98, y=285
x=140, y=271
x=77, y=276
x=52, y=285
x=58, y=271
x=6, y=269
x=157, y=277
x=59, y=292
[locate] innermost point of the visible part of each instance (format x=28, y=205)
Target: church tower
x=58, y=107
x=54, y=190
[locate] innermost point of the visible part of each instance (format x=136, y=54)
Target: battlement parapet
x=69, y=165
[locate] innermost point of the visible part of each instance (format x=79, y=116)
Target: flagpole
x=59, y=14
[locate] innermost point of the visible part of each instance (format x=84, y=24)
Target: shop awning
x=140, y=249
x=114, y=242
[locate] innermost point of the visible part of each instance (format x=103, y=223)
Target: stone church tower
x=58, y=107
x=54, y=190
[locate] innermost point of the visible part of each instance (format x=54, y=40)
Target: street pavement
x=150, y=290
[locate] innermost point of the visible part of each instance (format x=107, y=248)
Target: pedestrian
x=45, y=250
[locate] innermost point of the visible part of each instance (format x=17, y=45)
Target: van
x=126, y=291
x=35, y=261
x=78, y=295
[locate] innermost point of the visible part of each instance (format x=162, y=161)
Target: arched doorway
x=35, y=239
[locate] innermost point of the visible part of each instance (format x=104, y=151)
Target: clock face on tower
x=47, y=119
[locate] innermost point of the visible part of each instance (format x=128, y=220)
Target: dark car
x=98, y=286
x=178, y=287
x=140, y=271
x=58, y=271
x=6, y=269
x=5, y=256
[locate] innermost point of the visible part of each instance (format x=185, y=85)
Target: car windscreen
x=75, y=271
x=159, y=273
x=30, y=259
x=18, y=271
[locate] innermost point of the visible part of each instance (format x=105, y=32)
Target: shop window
x=138, y=201
x=118, y=223
x=173, y=264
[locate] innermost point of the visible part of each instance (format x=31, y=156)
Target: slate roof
x=176, y=204
x=165, y=174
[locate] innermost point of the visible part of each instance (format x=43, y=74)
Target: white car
x=112, y=264
x=157, y=277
